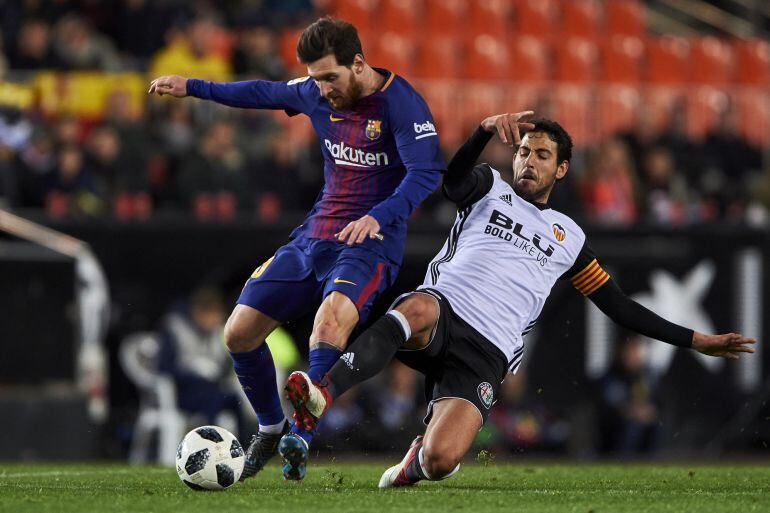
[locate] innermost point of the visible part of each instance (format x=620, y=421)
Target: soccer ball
x=209, y=458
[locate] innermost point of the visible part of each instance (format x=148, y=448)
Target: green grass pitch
x=352, y=487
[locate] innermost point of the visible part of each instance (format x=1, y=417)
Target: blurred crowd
x=217, y=163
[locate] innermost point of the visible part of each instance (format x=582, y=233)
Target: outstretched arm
x=631, y=315
x=291, y=96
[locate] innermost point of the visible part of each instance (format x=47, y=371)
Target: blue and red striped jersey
x=381, y=157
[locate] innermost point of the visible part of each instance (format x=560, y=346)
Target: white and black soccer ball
x=209, y=458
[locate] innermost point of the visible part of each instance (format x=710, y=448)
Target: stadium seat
x=287, y=48
x=618, y=106
x=752, y=61
x=704, y=106
x=393, y=51
x=442, y=96
x=535, y=17
x=447, y=17
x=753, y=109
x=439, y=57
x=486, y=58
x=662, y=104
x=573, y=107
x=581, y=18
x=625, y=17
x=621, y=59
x=400, y=16
x=360, y=13
x=477, y=101
x=668, y=60
x=530, y=59
x=577, y=60
x=493, y=17
x=712, y=61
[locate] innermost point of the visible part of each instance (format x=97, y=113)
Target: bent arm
x=461, y=184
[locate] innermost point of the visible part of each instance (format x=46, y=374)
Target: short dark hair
x=557, y=134
x=327, y=36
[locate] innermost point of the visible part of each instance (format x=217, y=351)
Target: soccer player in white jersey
x=463, y=326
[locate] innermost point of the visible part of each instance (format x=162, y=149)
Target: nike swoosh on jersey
x=334, y=120
x=340, y=280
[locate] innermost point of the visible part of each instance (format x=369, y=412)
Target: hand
x=508, y=126
x=726, y=346
x=170, y=84
x=357, y=231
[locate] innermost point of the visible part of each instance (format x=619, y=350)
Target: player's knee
x=420, y=310
x=439, y=461
x=328, y=330
x=240, y=338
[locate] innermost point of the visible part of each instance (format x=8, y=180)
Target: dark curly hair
x=557, y=134
x=327, y=36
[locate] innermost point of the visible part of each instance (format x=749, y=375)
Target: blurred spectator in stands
x=72, y=188
x=730, y=163
x=33, y=47
x=666, y=191
x=608, y=187
x=396, y=401
x=628, y=405
x=688, y=154
x=640, y=138
x=192, y=51
x=340, y=422
x=127, y=118
x=516, y=422
x=15, y=128
x=119, y=170
x=213, y=180
x=193, y=355
x=67, y=131
x=34, y=169
x=79, y=47
x=139, y=27
x=257, y=56
x=9, y=189
x=278, y=184
x=276, y=13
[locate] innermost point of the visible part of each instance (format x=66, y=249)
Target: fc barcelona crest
x=373, y=129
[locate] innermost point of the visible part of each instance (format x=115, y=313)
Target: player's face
x=535, y=169
x=338, y=84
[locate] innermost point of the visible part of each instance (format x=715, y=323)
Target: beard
x=349, y=98
x=532, y=192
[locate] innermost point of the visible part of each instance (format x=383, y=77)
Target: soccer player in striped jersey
x=463, y=327
x=381, y=159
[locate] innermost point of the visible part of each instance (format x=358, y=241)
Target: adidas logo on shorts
x=506, y=198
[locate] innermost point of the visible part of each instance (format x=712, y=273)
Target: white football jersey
x=502, y=257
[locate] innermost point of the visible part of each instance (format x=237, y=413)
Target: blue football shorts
x=302, y=273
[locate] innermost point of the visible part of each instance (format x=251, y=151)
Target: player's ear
x=358, y=64
x=562, y=170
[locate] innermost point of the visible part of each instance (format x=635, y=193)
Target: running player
x=381, y=159
x=463, y=327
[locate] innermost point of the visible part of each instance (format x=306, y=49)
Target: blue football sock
x=256, y=372
x=322, y=358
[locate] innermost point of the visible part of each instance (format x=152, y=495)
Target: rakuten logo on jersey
x=426, y=129
x=348, y=156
